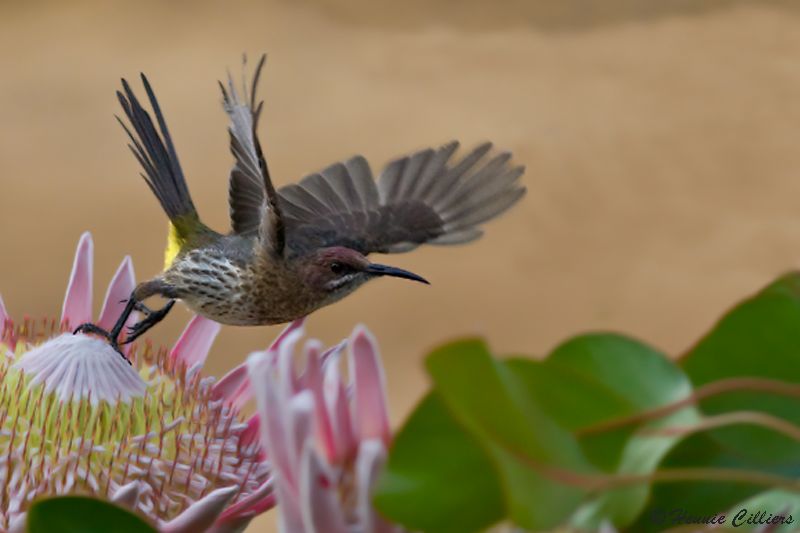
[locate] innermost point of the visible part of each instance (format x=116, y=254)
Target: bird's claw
x=151, y=319
x=139, y=306
x=88, y=327
x=97, y=330
x=135, y=331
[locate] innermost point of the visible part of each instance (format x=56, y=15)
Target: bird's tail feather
x=156, y=154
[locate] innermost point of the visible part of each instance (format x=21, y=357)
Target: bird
x=294, y=249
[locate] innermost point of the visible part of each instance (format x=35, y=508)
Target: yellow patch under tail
x=174, y=244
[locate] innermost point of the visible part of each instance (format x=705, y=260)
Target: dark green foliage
x=607, y=429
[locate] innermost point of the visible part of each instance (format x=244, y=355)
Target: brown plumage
x=295, y=249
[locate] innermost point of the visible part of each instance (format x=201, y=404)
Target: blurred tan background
x=661, y=140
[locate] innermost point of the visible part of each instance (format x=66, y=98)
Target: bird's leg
x=113, y=335
x=152, y=318
x=130, y=306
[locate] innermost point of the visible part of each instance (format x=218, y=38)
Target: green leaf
x=758, y=338
x=627, y=377
x=641, y=375
x=78, y=514
x=537, y=458
x=669, y=501
x=563, y=393
x=438, y=478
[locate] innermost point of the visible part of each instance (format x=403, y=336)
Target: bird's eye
x=337, y=268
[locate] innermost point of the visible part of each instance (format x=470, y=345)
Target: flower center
x=77, y=367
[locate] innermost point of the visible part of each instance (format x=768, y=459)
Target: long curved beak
x=385, y=270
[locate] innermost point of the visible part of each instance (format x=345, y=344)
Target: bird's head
x=341, y=270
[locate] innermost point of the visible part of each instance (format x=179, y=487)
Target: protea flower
x=155, y=435
x=326, y=438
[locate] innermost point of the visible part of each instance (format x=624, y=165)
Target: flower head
x=326, y=437
x=156, y=435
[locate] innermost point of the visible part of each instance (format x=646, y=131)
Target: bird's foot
x=142, y=308
x=94, y=329
x=151, y=319
x=138, y=306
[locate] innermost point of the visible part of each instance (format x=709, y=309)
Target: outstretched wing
x=251, y=195
x=421, y=198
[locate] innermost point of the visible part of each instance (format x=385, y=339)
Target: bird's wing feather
x=421, y=198
x=251, y=195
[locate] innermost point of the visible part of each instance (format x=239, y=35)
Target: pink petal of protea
x=290, y=518
x=313, y=379
x=274, y=424
x=201, y=514
x=319, y=498
x=288, y=378
x=195, y=342
x=119, y=290
x=332, y=354
x=237, y=524
x=3, y=315
x=19, y=523
x=234, y=388
x=262, y=499
x=77, y=307
x=338, y=407
x=287, y=425
x=128, y=495
x=295, y=325
x=301, y=425
x=251, y=433
x=369, y=463
x=80, y=366
x=369, y=408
